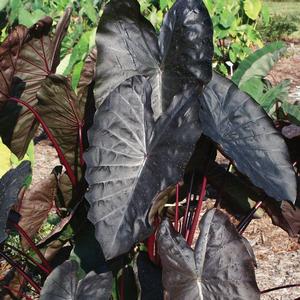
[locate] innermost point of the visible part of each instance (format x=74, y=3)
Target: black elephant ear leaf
x=63, y=283
x=10, y=186
x=221, y=266
x=132, y=159
x=248, y=137
x=128, y=45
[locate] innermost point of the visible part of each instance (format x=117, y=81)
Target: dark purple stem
x=198, y=210
x=21, y=272
x=51, y=137
x=32, y=245
x=42, y=267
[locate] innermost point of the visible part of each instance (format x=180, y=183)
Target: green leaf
x=25, y=17
x=265, y=14
x=63, y=64
x=76, y=74
x=259, y=63
x=254, y=87
x=226, y=18
x=252, y=8
x=79, y=52
x=292, y=112
x=90, y=11
x=3, y=3
x=279, y=91
x=14, y=5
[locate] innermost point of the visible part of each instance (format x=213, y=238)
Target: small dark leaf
x=63, y=283
x=247, y=136
x=132, y=159
x=10, y=186
x=128, y=45
x=220, y=267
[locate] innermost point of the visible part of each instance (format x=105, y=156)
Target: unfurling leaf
x=127, y=45
x=63, y=284
x=248, y=137
x=34, y=56
x=222, y=264
x=36, y=205
x=132, y=159
x=10, y=186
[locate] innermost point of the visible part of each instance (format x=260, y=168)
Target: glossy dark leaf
x=36, y=205
x=9, y=53
x=63, y=283
x=37, y=56
x=132, y=159
x=10, y=186
x=248, y=137
x=60, y=108
x=220, y=267
x=127, y=45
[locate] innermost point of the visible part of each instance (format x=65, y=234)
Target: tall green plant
x=235, y=29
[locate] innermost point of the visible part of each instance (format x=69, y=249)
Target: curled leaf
x=247, y=136
x=63, y=283
x=220, y=266
x=10, y=186
x=132, y=159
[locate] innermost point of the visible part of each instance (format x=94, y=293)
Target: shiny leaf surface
x=248, y=137
x=220, y=266
x=63, y=283
x=132, y=159
x=127, y=45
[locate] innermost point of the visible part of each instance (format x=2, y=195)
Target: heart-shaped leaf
x=220, y=267
x=63, y=283
x=56, y=99
x=36, y=205
x=132, y=159
x=10, y=186
x=128, y=45
x=247, y=136
x=36, y=56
